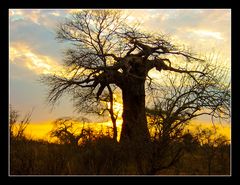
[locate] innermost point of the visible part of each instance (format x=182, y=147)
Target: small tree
x=107, y=105
x=17, y=130
x=68, y=131
x=13, y=117
x=210, y=143
x=223, y=156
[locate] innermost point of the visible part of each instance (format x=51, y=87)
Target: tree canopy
x=105, y=54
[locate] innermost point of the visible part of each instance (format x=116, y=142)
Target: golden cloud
x=40, y=64
x=22, y=54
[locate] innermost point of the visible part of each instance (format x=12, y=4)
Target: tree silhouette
x=210, y=143
x=18, y=127
x=106, y=52
x=180, y=99
x=177, y=101
x=68, y=131
x=109, y=107
x=13, y=117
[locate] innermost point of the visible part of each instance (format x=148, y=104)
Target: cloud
x=44, y=17
x=55, y=14
x=209, y=34
x=23, y=55
x=202, y=30
x=40, y=39
x=191, y=26
x=27, y=14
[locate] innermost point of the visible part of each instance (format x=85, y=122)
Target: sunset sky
x=34, y=50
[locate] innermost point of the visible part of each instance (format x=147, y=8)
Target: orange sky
x=41, y=130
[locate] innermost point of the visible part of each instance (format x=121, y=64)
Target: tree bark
x=134, y=127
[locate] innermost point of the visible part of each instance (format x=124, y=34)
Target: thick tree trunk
x=135, y=135
x=134, y=127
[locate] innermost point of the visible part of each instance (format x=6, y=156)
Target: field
x=103, y=156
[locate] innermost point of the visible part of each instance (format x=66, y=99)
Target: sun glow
x=42, y=130
x=220, y=128
x=36, y=131
x=117, y=108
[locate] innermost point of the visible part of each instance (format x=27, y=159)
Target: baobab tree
x=107, y=52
